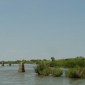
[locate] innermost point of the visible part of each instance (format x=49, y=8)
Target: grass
x=45, y=70
x=57, y=72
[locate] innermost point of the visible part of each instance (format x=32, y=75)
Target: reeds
x=76, y=73
x=45, y=70
x=57, y=72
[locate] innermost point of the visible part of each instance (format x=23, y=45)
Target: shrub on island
x=76, y=73
x=57, y=72
x=43, y=69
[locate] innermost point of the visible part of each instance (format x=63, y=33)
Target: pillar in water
x=2, y=63
x=21, y=67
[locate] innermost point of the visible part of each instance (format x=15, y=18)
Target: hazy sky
x=38, y=29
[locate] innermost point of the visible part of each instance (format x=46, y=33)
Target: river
x=9, y=75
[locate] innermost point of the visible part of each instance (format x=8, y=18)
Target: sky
x=41, y=29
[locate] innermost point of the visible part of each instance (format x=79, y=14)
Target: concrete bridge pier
x=21, y=67
x=2, y=63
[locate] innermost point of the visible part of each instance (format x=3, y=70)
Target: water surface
x=9, y=75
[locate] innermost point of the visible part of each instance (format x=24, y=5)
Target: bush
x=45, y=72
x=76, y=73
x=57, y=72
x=43, y=69
x=71, y=73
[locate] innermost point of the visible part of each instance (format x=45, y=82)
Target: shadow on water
x=77, y=81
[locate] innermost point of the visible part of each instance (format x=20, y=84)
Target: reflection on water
x=9, y=75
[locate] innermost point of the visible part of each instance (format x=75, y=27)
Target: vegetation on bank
x=16, y=62
x=66, y=63
x=69, y=63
